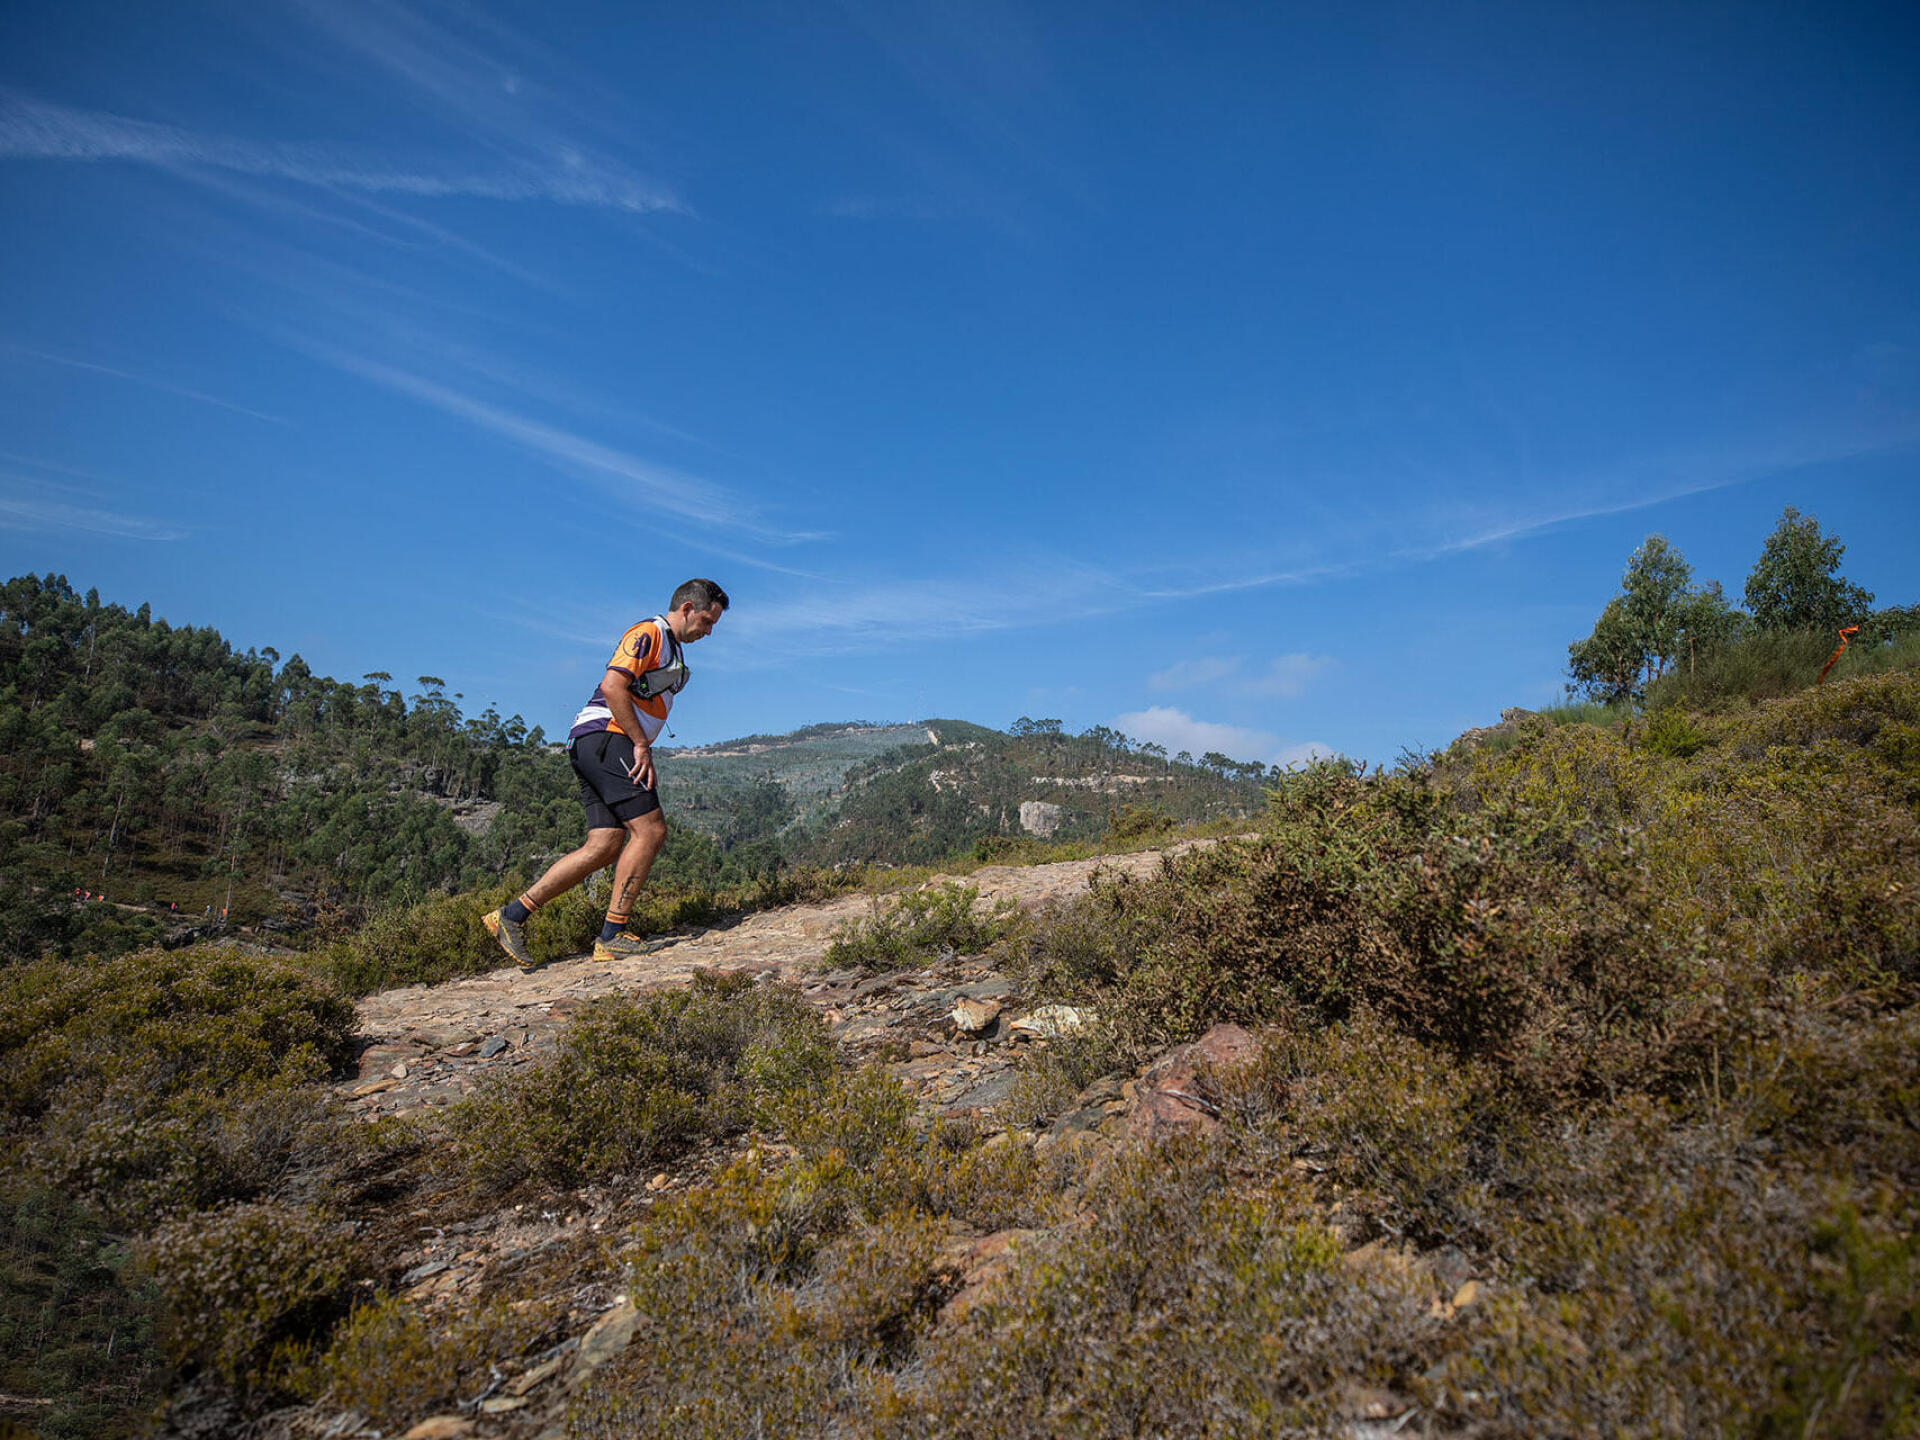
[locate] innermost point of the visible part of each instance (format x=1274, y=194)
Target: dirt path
x=428, y=1045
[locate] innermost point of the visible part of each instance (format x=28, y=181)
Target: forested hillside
x=156, y=766
x=157, y=785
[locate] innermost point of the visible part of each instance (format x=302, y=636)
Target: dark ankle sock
x=613, y=927
x=516, y=911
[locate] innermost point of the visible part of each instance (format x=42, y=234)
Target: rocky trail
x=429, y=1045
x=952, y=1032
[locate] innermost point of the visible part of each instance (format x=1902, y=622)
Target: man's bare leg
x=645, y=835
x=601, y=850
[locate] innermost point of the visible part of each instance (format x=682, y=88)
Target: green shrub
x=1586, y=712
x=1676, y=1291
x=247, y=1286
x=859, y=1116
x=1494, y=943
x=394, y=1364
x=636, y=1081
x=1769, y=664
x=918, y=926
x=1390, y=1118
x=167, y=1079
x=1138, y=822
x=993, y=1186
x=873, y=1292
x=1187, y=1306
x=1671, y=732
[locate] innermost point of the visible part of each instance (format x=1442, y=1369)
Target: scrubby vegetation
x=1585, y=1100
x=918, y=925
x=165, y=1081
x=1625, y=1034
x=637, y=1081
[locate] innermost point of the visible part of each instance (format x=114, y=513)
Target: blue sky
x=1246, y=377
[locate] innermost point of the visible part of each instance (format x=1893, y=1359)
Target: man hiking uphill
x=611, y=744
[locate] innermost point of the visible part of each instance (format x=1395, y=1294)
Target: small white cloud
x=1190, y=674
x=1285, y=676
x=1177, y=730
x=1288, y=676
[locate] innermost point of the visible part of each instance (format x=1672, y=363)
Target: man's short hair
x=703, y=593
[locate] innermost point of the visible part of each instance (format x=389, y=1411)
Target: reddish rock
x=981, y=1265
x=1175, y=1094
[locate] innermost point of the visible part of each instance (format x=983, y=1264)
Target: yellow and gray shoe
x=627, y=947
x=512, y=935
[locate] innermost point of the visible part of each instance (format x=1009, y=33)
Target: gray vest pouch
x=667, y=679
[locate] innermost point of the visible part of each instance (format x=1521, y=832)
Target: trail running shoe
x=625, y=947
x=512, y=935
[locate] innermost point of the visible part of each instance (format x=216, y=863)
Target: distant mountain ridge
x=913, y=792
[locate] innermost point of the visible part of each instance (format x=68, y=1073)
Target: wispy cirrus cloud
x=622, y=474
x=35, y=129
x=32, y=506
x=478, y=71
x=846, y=619
x=1655, y=480
x=45, y=358
x=1418, y=535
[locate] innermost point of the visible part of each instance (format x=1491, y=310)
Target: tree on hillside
x=1658, y=617
x=1793, y=585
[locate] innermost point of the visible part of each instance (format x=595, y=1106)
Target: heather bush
x=1788, y=834
x=167, y=1080
x=1187, y=1305
x=725, y=1351
x=918, y=926
x=873, y=1292
x=1489, y=936
x=393, y=1364
x=859, y=1115
x=1394, y=1121
x=1677, y=1285
x=635, y=1081
x=245, y=1285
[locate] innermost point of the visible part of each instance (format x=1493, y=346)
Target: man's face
x=697, y=624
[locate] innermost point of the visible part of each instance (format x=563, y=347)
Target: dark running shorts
x=610, y=798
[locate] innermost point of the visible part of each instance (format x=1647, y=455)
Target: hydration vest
x=669, y=677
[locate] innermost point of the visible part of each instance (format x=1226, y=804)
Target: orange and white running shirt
x=641, y=649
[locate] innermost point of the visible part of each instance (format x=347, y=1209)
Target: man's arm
x=615, y=690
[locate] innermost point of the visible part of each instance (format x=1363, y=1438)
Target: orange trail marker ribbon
x=1846, y=634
